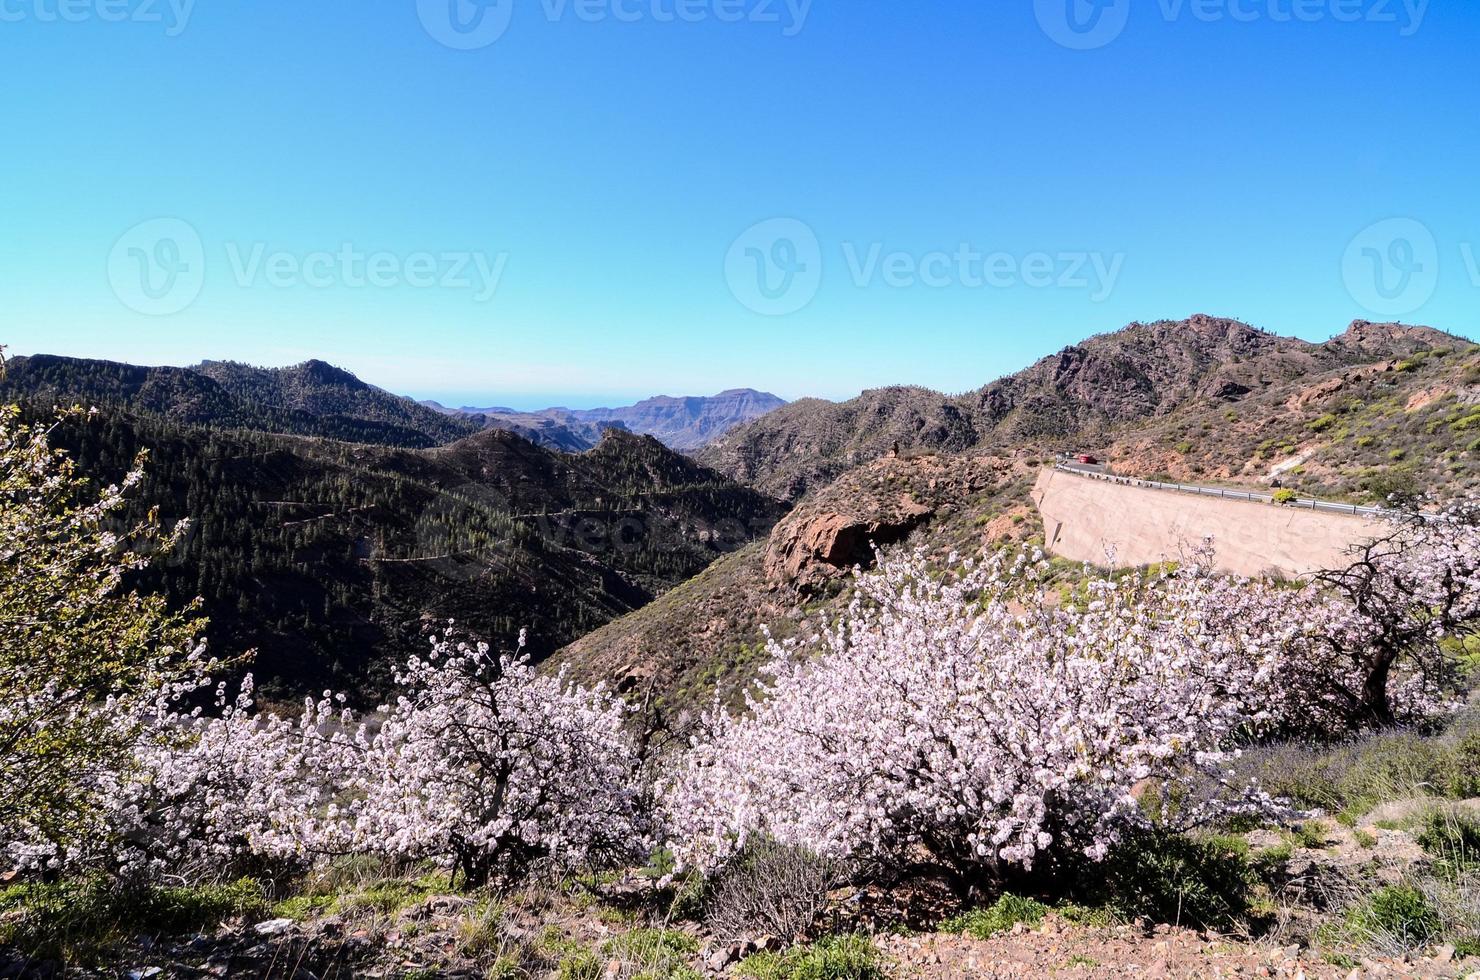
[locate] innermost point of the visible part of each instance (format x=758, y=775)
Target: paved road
x=1099, y=473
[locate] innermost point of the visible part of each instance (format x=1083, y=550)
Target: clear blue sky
x=607, y=158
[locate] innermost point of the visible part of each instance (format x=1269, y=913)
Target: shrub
x=1202, y=882
x=653, y=954
x=830, y=958
x=770, y=890
x=1008, y=911
x=1452, y=837
x=1285, y=495
x=1398, y=916
x=1323, y=423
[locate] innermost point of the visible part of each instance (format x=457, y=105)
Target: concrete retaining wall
x=1085, y=519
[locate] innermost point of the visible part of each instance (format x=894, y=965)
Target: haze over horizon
x=810, y=202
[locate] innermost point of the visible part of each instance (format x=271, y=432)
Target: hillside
x=1378, y=409
x=311, y=399
x=331, y=559
x=680, y=423
x=708, y=635
x=1083, y=395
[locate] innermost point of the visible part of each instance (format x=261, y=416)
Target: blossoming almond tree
x=966, y=723
x=490, y=767
x=1374, y=653
x=83, y=661
x=483, y=765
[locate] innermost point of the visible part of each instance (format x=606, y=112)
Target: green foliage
x=1285, y=495
x=654, y=954
x=83, y=919
x=830, y=958
x=1008, y=911
x=1452, y=837
x=1165, y=877
x=81, y=658
x=1323, y=423
x=1399, y=914
x=580, y=963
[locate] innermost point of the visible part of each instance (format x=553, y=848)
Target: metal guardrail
x=1351, y=510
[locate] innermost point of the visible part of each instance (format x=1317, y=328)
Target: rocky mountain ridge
x=1084, y=392
x=309, y=399
x=680, y=423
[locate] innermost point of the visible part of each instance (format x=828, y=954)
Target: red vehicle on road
x=1087, y=459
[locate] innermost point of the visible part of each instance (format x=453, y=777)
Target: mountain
x=310, y=399
x=333, y=559
x=680, y=423
x=1083, y=393
x=567, y=436
x=1381, y=408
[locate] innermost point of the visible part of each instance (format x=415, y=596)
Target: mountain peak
x=324, y=373
x=1393, y=339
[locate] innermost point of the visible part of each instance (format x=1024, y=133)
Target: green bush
x=831, y=958
x=1008, y=911
x=1453, y=839
x=1164, y=877
x=1285, y=496
x=1323, y=423
x=1397, y=914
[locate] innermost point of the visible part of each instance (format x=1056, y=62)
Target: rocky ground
x=629, y=929
x=425, y=944
x=1058, y=950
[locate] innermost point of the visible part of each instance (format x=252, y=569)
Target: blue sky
x=607, y=199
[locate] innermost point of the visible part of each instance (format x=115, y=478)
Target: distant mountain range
x=680, y=423
x=319, y=399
